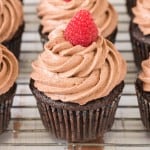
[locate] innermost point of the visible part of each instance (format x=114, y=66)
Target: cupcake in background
x=130, y=4
x=143, y=92
x=55, y=13
x=78, y=80
x=140, y=31
x=11, y=25
x=8, y=75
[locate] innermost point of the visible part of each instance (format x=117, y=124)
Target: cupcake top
x=75, y=73
x=57, y=12
x=11, y=17
x=8, y=69
x=142, y=15
x=144, y=75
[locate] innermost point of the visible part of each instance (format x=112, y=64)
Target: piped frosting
x=11, y=17
x=8, y=69
x=142, y=15
x=144, y=75
x=55, y=13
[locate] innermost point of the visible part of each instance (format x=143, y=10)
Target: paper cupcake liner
x=44, y=37
x=144, y=104
x=140, y=47
x=14, y=45
x=6, y=101
x=130, y=4
x=74, y=122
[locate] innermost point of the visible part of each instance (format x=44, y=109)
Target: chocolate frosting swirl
x=142, y=15
x=77, y=74
x=11, y=17
x=54, y=13
x=8, y=69
x=145, y=75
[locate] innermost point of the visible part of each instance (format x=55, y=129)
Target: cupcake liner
x=44, y=37
x=140, y=44
x=130, y=4
x=6, y=101
x=74, y=122
x=14, y=45
x=144, y=103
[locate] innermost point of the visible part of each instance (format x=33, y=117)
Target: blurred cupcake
x=8, y=75
x=11, y=25
x=140, y=31
x=55, y=13
x=78, y=80
x=130, y=4
x=143, y=93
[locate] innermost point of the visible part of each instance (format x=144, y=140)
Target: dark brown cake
x=144, y=103
x=140, y=44
x=74, y=122
x=130, y=4
x=6, y=101
x=14, y=45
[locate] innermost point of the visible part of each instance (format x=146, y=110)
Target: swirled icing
x=144, y=75
x=54, y=13
x=142, y=15
x=75, y=73
x=8, y=69
x=11, y=17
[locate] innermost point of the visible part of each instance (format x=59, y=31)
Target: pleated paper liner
x=14, y=45
x=6, y=101
x=140, y=44
x=144, y=103
x=74, y=122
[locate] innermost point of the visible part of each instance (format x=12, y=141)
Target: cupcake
x=8, y=75
x=130, y=4
x=143, y=92
x=78, y=80
x=54, y=13
x=140, y=31
x=11, y=25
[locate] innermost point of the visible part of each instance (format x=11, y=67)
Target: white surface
x=26, y=130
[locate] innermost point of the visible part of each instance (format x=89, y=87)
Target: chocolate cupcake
x=54, y=13
x=140, y=31
x=143, y=93
x=77, y=81
x=130, y=4
x=12, y=25
x=8, y=75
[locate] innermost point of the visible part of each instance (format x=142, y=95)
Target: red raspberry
x=81, y=30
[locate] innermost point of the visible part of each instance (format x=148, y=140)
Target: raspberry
x=81, y=30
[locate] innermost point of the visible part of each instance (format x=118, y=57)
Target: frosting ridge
x=8, y=69
x=142, y=15
x=11, y=17
x=55, y=13
x=145, y=75
x=75, y=73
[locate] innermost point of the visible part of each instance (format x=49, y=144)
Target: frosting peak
x=8, y=69
x=11, y=17
x=142, y=15
x=75, y=73
x=54, y=13
x=145, y=75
